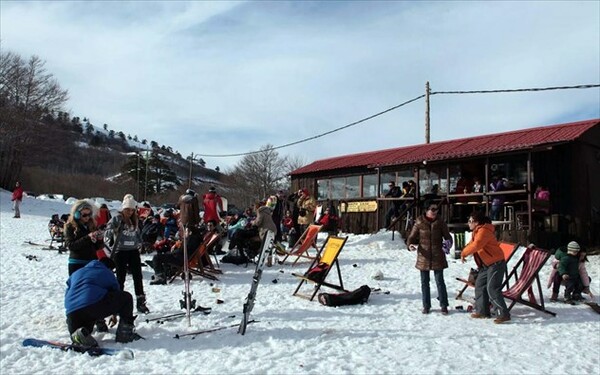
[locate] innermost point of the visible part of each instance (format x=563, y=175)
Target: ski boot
x=141, y=304
x=126, y=331
x=554, y=297
x=101, y=326
x=84, y=338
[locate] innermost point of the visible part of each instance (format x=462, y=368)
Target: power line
x=401, y=105
x=516, y=90
x=322, y=134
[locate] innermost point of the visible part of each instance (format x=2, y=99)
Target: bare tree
x=28, y=87
x=258, y=175
x=292, y=163
x=27, y=94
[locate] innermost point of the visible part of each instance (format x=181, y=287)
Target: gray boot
x=83, y=337
x=126, y=331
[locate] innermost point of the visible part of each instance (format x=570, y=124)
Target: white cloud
x=228, y=77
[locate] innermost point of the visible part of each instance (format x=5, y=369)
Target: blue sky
x=229, y=77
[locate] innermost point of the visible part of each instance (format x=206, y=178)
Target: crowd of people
x=104, y=249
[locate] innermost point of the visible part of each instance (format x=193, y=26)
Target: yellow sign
x=364, y=206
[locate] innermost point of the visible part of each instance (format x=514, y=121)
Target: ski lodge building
x=563, y=158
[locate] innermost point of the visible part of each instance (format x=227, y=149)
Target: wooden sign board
x=363, y=206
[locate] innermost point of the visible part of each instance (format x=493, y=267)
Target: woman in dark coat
x=81, y=235
x=427, y=236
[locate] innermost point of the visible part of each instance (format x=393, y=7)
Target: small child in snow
x=555, y=280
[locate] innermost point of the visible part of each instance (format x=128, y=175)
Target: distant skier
x=17, y=197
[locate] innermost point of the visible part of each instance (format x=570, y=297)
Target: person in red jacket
x=489, y=257
x=17, y=197
x=103, y=216
x=213, y=205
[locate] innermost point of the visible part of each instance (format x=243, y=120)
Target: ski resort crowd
x=104, y=249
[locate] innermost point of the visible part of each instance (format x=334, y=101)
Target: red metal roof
x=458, y=148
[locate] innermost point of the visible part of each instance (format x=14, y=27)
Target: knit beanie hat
x=271, y=201
x=128, y=202
x=573, y=247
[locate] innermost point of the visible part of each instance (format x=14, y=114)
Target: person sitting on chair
x=252, y=237
x=55, y=227
x=162, y=262
x=328, y=221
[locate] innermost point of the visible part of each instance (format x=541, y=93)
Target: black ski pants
x=114, y=302
x=129, y=259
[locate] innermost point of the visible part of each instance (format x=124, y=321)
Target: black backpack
x=358, y=296
x=235, y=256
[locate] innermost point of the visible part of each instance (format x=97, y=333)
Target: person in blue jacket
x=93, y=293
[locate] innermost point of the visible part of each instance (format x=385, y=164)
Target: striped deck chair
x=300, y=249
x=525, y=272
x=328, y=256
x=508, y=249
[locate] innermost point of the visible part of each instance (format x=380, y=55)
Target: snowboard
x=93, y=351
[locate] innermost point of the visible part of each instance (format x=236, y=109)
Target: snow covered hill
x=389, y=335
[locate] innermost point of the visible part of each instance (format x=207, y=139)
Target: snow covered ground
x=294, y=336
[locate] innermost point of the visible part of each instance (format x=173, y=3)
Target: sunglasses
x=471, y=221
x=85, y=215
x=433, y=209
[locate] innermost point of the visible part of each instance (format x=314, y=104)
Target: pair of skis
x=166, y=318
x=46, y=247
x=267, y=248
x=187, y=301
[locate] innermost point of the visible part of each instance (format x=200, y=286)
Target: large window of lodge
x=433, y=180
x=339, y=188
x=369, y=188
x=513, y=168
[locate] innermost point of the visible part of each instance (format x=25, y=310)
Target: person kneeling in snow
x=93, y=293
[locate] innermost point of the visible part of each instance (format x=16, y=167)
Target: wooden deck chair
x=201, y=263
x=508, y=249
x=328, y=255
x=307, y=240
x=195, y=264
x=525, y=272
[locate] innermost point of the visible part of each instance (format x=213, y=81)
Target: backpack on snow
x=358, y=296
x=235, y=256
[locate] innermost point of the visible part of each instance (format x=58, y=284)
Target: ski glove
x=446, y=245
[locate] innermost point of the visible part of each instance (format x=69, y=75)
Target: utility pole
x=137, y=195
x=427, y=92
x=146, y=179
x=191, y=164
